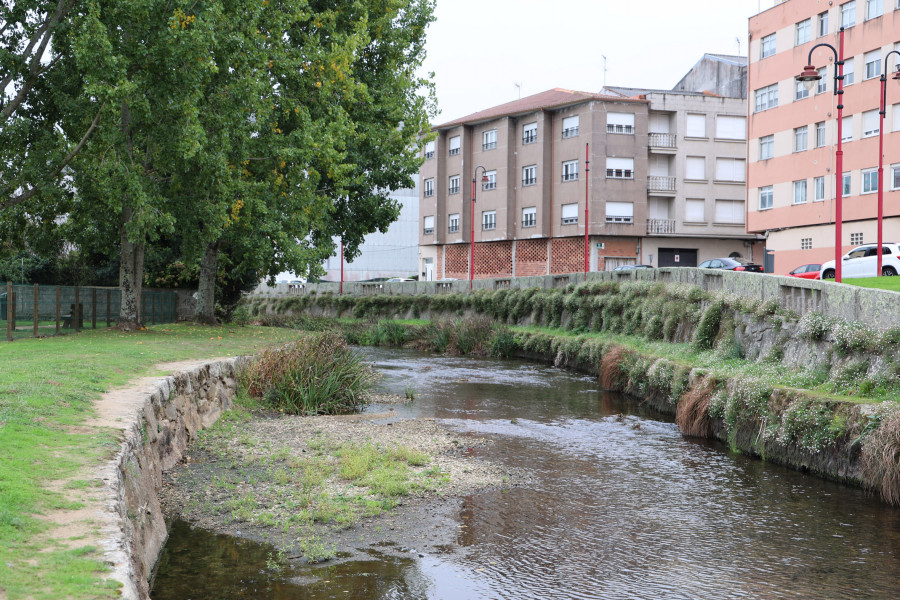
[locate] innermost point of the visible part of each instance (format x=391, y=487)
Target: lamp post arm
x=884, y=80
x=837, y=61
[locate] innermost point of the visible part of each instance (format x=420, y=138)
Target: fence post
x=76, y=314
x=35, y=323
x=108, y=309
x=58, y=299
x=9, y=311
x=93, y=308
x=13, y=303
x=152, y=309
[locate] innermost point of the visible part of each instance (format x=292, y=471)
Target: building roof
x=740, y=61
x=554, y=98
x=630, y=92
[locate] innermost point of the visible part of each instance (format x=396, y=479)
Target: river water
x=621, y=506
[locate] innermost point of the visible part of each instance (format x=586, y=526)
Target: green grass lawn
x=47, y=386
x=881, y=283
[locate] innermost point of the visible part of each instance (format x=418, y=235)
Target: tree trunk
x=131, y=274
x=205, y=311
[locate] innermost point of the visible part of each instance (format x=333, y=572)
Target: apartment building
x=793, y=132
x=665, y=186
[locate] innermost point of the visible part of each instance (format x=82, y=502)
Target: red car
x=806, y=271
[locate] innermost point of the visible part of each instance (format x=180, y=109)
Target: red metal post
x=839, y=163
x=881, y=165
x=472, y=235
x=587, y=213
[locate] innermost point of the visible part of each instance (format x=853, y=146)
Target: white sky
x=479, y=49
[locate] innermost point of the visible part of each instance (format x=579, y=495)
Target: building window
x=491, y=183
x=849, y=71
x=767, y=46
x=570, y=127
x=429, y=225
x=845, y=184
x=454, y=145
x=489, y=140
x=806, y=243
x=730, y=169
x=818, y=189
x=801, y=138
x=695, y=168
x=529, y=175
x=895, y=115
x=619, y=212
x=429, y=187
x=800, y=91
x=802, y=33
x=730, y=212
x=620, y=168
x=696, y=126
x=767, y=97
x=765, y=197
x=570, y=214
x=822, y=24
x=895, y=173
x=731, y=128
x=529, y=217
x=820, y=134
x=529, y=133
x=800, y=192
x=848, y=14
x=856, y=239
x=873, y=9
x=570, y=170
x=766, y=147
x=869, y=181
x=847, y=129
x=489, y=220
x=620, y=123
x=873, y=64
x=822, y=84
x=453, y=223
x=870, y=123
x=694, y=210
x=454, y=184
x=429, y=150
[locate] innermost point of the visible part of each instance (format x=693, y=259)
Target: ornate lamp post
x=484, y=179
x=895, y=77
x=809, y=77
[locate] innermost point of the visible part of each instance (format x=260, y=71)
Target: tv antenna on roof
x=518, y=85
x=604, y=69
x=738, y=40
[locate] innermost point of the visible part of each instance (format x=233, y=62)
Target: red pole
x=587, y=203
x=341, y=288
x=472, y=236
x=839, y=160
x=881, y=165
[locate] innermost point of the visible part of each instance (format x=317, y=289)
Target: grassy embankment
x=47, y=387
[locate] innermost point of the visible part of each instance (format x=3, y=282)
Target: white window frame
x=869, y=181
x=822, y=84
x=570, y=170
x=491, y=183
x=874, y=9
x=569, y=214
x=800, y=91
x=820, y=134
x=529, y=133
x=529, y=216
x=619, y=212
x=453, y=223
x=529, y=175
x=620, y=123
x=488, y=220
x=570, y=126
x=871, y=123
x=489, y=139
x=822, y=24
x=766, y=197
x=846, y=184
x=818, y=189
x=695, y=124
x=767, y=46
x=801, y=138
x=428, y=225
x=429, y=187
x=895, y=171
x=731, y=170
x=848, y=14
x=429, y=150
x=454, y=145
x=766, y=98
x=849, y=71
x=731, y=127
x=873, y=64
x=800, y=189
x=736, y=217
x=802, y=32
x=766, y=147
x=857, y=239
x=619, y=168
x=695, y=168
x=454, y=189
x=695, y=207
x=847, y=129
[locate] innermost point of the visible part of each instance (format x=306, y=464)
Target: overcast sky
x=479, y=49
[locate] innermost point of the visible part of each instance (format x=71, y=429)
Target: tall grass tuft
x=880, y=458
x=692, y=412
x=315, y=375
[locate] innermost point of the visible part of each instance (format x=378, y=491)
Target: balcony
x=453, y=228
x=529, y=137
x=488, y=185
x=429, y=155
x=661, y=183
x=489, y=145
x=454, y=151
x=428, y=231
x=620, y=129
x=454, y=190
x=664, y=142
x=619, y=174
x=660, y=226
x=570, y=132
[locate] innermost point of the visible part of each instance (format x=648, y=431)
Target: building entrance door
x=677, y=257
x=429, y=270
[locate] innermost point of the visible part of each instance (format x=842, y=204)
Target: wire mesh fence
x=39, y=311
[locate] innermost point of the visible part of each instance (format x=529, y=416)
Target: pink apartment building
x=793, y=132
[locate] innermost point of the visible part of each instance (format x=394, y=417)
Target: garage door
x=677, y=257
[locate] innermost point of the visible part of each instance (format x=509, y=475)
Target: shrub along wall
x=781, y=393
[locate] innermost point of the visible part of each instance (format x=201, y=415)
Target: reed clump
x=880, y=457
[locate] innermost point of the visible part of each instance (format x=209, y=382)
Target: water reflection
x=622, y=506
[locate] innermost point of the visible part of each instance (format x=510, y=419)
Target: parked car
x=810, y=271
x=632, y=267
x=862, y=261
x=731, y=264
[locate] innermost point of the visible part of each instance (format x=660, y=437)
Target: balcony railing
x=662, y=140
x=429, y=155
x=428, y=230
x=489, y=225
x=489, y=145
x=570, y=132
x=489, y=185
x=453, y=228
x=660, y=226
x=454, y=151
x=622, y=129
x=429, y=192
x=619, y=219
x=570, y=176
x=529, y=181
x=661, y=183
x=454, y=190
x=619, y=174
x=530, y=137
x=529, y=221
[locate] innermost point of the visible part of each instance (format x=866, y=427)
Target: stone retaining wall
x=156, y=435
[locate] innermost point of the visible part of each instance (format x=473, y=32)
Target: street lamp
x=809, y=77
x=484, y=179
x=895, y=77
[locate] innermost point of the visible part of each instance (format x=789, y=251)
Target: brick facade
x=566, y=255
x=493, y=259
x=622, y=248
x=531, y=258
x=439, y=264
x=457, y=266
